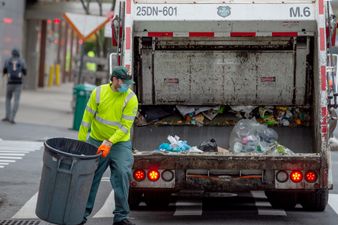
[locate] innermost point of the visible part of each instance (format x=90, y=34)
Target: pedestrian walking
x=14, y=68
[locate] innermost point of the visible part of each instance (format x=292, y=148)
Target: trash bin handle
x=65, y=170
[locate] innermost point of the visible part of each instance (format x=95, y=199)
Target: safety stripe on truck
x=322, y=39
x=217, y=34
x=321, y=7
x=128, y=7
x=127, y=58
x=128, y=38
x=323, y=77
x=324, y=120
x=322, y=69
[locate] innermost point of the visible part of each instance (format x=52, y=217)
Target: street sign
x=85, y=25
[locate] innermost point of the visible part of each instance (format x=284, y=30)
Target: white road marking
x=3, y=151
x=105, y=179
x=333, y=202
x=14, y=149
x=10, y=151
x=11, y=154
x=6, y=160
x=107, y=208
x=9, y=157
x=27, y=211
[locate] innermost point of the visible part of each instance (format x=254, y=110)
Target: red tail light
x=153, y=175
x=139, y=175
x=296, y=176
x=311, y=176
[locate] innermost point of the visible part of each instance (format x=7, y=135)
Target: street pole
x=41, y=79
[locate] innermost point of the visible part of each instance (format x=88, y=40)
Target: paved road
x=19, y=182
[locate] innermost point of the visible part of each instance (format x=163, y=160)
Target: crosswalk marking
x=264, y=207
x=11, y=154
x=183, y=207
x=10, y=151
x=17, y=148
x=10, y=157
x=28, y=210
x=6, y=160
x=107, y=208
x=105, y=179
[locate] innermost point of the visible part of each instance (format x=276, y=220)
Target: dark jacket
x=14, y=67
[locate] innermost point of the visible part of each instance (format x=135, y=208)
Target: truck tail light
x=296, y=176
x=282, y=176
x=139, y=175
x=167, y=175
x=153, y=175
x=311, y=176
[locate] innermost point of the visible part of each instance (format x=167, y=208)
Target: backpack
x=14, y=69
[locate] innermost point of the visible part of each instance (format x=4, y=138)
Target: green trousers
x=120, y=161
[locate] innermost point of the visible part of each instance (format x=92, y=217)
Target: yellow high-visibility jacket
x=109, y=115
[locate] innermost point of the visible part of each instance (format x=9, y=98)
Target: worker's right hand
x=104, y=148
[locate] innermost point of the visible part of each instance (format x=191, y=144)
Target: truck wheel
x=283, y=200
x=157, y=200
x=315, y=201
x=134, y=199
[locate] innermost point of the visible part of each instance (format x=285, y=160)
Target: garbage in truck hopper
x=247, y=136
x=209, y=146
x=284, y=116
x=176, y=145
x=252, y=126
x=251, y=136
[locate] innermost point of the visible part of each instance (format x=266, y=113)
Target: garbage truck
x=226, y=54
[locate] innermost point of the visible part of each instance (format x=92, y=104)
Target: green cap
x=121, y=72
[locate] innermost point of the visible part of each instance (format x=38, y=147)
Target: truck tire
x=156, y=200
x=134, y=199
x=283, y=200
x=315, y=201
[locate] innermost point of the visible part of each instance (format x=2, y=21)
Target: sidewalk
x=42, y=114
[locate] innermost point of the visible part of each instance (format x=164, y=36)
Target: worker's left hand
x=104, y=148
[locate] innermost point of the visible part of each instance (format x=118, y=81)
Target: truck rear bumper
x=217, y=161
x=234, y=173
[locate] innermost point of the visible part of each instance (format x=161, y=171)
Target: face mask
x=123, y=88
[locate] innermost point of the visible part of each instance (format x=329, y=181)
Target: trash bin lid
x=71, y=148
x=84, y=87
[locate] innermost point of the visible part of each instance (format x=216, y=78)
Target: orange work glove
x=104, y=148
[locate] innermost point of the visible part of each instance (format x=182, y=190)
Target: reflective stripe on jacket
x=109, y=115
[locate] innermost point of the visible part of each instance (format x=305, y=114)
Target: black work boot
x=124, y=222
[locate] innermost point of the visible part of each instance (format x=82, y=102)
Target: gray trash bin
x=67, y=175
